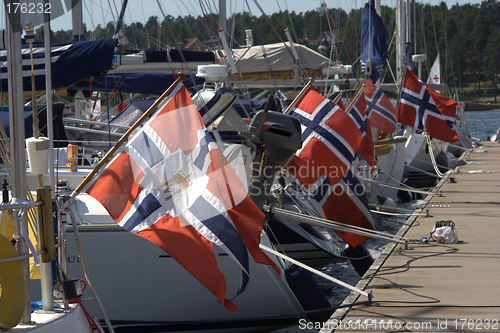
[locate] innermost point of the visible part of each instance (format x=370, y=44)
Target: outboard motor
x=276, y=137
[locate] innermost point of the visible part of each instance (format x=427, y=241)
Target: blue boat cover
x=374, y=40
x=142, y=83
x=71, y=62
x=28, y=119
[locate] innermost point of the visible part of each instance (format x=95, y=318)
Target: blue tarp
x=71, y=62
x=28, y=119
x=143, y=83
x=374, y=41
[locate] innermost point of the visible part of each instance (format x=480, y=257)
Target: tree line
x=467, y=36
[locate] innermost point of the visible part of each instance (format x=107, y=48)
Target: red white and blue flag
x=357, y=111
x=172, y=185
x=347, y=203
x=379, y=109
x=330, y=139
x=340, y=103
x=418, y=108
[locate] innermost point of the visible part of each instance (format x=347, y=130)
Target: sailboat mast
x=222, y=14
x=378, y=7
x=46, y=268
x=408, y=21
x=17, y=139
x=77, y=20
x=400, y=38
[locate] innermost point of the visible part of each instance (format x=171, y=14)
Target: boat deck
x=433, y=287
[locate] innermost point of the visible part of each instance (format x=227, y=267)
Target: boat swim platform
x=432, y=287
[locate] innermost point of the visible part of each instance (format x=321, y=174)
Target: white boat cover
x=251, y=60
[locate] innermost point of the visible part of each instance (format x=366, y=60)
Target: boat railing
x=12, y=207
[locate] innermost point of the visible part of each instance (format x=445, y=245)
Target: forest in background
x=466, y=36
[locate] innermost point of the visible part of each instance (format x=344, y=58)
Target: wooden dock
x=432, y=287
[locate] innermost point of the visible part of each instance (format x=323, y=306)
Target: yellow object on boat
x=12, y=286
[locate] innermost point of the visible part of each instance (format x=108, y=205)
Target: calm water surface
x=482, y=123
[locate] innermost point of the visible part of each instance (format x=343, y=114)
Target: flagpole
x=356, y=94
x=339, y=96
x=307, y=86
x=401, y=88
x=360, y=86
x=181, y=77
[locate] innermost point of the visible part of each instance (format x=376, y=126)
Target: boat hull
x=138, y=282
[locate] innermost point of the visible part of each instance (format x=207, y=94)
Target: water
x=482, y=123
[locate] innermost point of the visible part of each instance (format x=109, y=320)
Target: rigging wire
x=273, y=77
x=116, y=9
x=190, y=13
x=187, y=25
x=233, y=22
x=145, y=24
x=207, y=26
x=447, y=53
x=341, y=43
x=133, y=30
x=91, y=20
x=291, y=23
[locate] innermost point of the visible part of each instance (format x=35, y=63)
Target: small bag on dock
x=445, y=232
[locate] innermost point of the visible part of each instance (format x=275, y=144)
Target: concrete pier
x=432, y=287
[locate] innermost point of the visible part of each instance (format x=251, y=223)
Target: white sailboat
x=420, y=147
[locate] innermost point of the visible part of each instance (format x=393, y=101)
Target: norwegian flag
x=418, y=108
x=357, y=111
x=379, y=108
x=340, y=104
x=350, y=194
x=330, y=139
x=171, y=185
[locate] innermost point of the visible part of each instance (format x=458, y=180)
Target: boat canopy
x=71, y=62
x=149, y=83
x=250, y=60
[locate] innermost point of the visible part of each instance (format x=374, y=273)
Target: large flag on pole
x=418, y=108
x=379, y=109
x=171, y=185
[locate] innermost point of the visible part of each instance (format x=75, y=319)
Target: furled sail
x=375, y=41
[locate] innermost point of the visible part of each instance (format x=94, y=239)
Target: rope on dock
x=409, y=189
x=397, y=214
x=315, y=271
x=301, y=218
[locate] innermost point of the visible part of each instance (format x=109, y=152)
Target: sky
x=103, y=11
